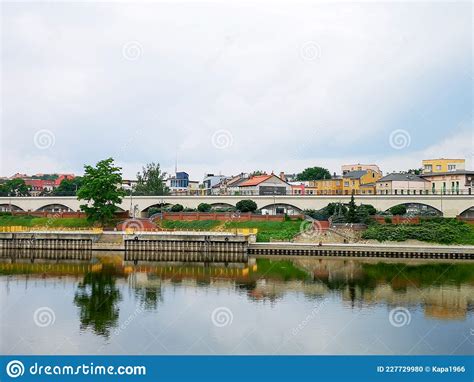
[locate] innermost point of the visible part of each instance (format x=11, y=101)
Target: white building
x=402, y=184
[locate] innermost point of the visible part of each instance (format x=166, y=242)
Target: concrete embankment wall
x=364, y=250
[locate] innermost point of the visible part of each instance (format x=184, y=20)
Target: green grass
x=193, y=225
x=31, y=221
x=443, y=231
x=267, y=230
x=270, y=230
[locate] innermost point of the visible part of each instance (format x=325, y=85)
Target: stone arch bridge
x=448, y=205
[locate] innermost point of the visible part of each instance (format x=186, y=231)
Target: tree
x=102, y=189
x=204, y=207
x=246, y=205
x=68, y=187
x=14, y=187
x=351, y=215
x=151, y=181
x=369, y=208
x=177, y=208
x=398, y=210
x=413, y=171
x=313, y=173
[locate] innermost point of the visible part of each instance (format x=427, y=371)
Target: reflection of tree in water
x=149, y=297
x=97, y=298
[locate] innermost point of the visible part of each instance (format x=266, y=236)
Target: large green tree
x=246, y=205
x=14, y=187
x=313, y=173
x=68, y=187
x=151, y=181
x=102, y=189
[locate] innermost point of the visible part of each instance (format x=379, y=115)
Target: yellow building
x=327, y=186
x=360, y=182
x=443, y=165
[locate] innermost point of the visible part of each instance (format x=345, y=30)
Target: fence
x=18, y=228
x=223, y=216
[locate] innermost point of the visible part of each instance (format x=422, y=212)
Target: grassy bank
x=193, y=225
x=267, y=230
x=31, y=221
x=443, y=231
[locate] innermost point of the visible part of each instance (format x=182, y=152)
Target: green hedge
x=444, y=231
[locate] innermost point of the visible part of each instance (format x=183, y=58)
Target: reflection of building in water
x=276, y=289
x=329, y=269
x=441, y=302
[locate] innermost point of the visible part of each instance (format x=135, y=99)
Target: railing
x=49, y=229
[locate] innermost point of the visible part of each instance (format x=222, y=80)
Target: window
x=451, y=167
x=428, y=168
x=438, y=167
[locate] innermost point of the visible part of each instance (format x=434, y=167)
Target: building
x=360, y=182
x=178, y=184
x=442, y=165
x=451, y=182
x=331, y=186
x=264, y=185
x=346, y=168
x=41, y=184
x=302, y=188
x=209, y=181
x=231, y=185
x=400, y=184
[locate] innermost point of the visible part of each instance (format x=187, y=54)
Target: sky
x=230, y=86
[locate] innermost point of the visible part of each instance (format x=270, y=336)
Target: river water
x=297, y=306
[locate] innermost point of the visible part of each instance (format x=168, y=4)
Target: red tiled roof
x=255, y=180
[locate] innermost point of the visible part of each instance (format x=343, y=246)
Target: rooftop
x=255, y=180
x=402, y=177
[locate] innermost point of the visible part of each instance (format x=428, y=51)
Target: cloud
x=295, y=85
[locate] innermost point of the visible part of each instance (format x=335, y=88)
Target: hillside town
x=435, y=176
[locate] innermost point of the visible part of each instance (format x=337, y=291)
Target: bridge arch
x=222, y=206
x=280, y=208
x=55, y=207
x=9, y=207
x=468, y=213
x=419, y=209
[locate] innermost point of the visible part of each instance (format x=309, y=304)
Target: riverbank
x=206, y=246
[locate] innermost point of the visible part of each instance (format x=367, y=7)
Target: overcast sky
x=229, y=86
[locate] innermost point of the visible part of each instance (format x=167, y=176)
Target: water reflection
x=173, y=302
x=97, y=298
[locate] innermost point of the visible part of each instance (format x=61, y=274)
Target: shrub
x=153, y=211
x=246, y=205
x=388, y=220
x=204, y=207
x=177, y=208
x=371, y=210
x=398, y=210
